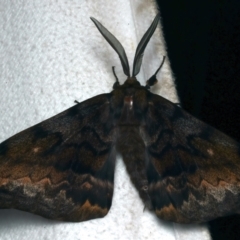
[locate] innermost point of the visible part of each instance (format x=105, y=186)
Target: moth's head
x=130, y=82
x=117, y=46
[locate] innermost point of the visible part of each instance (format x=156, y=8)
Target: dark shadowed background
x=203, y=44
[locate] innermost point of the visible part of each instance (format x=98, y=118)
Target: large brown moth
x=63, y=168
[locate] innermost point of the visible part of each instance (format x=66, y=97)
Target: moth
x=63, y=168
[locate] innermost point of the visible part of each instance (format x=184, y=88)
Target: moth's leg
x=76, y=101
x=153, y=79
x=178, y=104
x=116, y=84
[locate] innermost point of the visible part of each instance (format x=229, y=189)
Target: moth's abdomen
x=131, y=146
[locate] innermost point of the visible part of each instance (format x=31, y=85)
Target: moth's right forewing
x=63, y=167
x=193, y=169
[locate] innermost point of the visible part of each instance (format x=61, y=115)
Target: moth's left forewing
x=63, y=167
x=193, y=170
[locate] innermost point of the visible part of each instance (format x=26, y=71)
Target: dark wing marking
x=62, y=168
x=193, y=170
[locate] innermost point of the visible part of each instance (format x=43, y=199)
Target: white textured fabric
x=52, y=54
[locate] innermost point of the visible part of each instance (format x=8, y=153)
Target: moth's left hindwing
x=193, y=170
x=62, y=168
